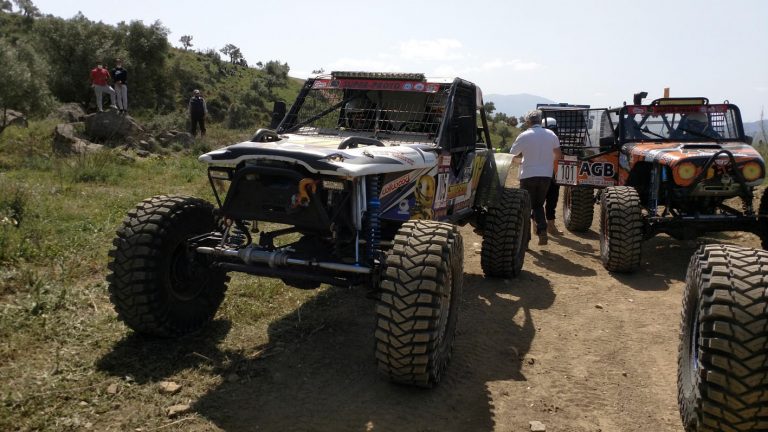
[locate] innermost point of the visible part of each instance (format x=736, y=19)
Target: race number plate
x=566, y=172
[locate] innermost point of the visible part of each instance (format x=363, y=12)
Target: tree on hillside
x=186, y=41
x=233, y=52
x=6, y=6
x=72, y=47
x=27, y=8
x=147, y=48
x=489, y=108
x=504, y=132
x=318, y=71
x=277, y=74
x=512, y=121
x=20, y=85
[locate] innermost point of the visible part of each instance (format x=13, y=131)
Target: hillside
x=516, y=104
x=160, y=77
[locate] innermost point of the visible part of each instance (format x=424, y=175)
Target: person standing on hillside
x=100, y=83
x=197, y=112
x=539, y=148
x=120, y=76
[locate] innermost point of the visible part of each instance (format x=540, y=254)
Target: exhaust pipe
x=251, y=255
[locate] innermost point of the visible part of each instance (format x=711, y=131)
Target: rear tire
x=621, y=229
x=578, y=208
x=506, y=232
x=722, y=377
x=763, y=211
x=418, y=309
x=158, y=287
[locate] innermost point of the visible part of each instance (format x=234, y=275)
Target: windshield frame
x=671, y=115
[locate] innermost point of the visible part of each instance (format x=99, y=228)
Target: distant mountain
x=516, y=104
x=750, y=128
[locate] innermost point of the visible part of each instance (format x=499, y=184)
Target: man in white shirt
x=539, y=148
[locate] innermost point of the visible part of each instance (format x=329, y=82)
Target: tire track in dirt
x=565, y=343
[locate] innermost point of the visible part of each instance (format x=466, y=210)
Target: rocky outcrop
x=13, y=118
x=175, y=137
x=111, y=126
x=66, y=142
x=70, y=112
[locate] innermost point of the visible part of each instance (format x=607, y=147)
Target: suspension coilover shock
x=373, y=227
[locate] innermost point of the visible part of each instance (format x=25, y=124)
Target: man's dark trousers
x=537, y=188
x=551, y=201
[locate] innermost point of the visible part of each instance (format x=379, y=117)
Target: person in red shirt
x=100, y=83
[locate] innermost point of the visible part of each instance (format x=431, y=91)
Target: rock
x=111, y=126
x=184, y=138
x=142, y=153
x=112, y=389
x=70, y=112
x=233, y=377
x=144, y=145
x=176, y=410
x=169, y=387
x=599, y=306
x=537, y=426
x=126, y=156
x=14, y=118
x=65, y=142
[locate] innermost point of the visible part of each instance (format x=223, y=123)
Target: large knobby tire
x=506, y=233
x=722, y=378
x=419, y=305
x=621, y=229
x=763, y=212
x=159, y=287
x=578, y=208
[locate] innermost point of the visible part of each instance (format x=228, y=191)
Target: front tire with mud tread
x=157, y=286
x=419, y=304
x=621, y=229
x=722, y=377
x=763, y=211
x=578, y=208
x=506, y=232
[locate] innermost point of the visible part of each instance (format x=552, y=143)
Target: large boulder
x=66, y=142
x=110, y=126
x=70, y=112
x=175, y=137
x=14, y=118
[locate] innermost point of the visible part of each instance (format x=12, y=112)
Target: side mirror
x=278, y=113
x=750, y=139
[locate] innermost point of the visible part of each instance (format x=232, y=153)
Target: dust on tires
x=158, y=286
x=621, y=229
x=418, y=308
x=506, y=232
x=722, y=375
x=578, y=208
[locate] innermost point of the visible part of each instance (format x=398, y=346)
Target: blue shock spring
x=374, y=215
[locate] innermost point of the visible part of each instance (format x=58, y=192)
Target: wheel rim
x=694, y=345
x=604, y=233
x=445, y=311
x=186, y=281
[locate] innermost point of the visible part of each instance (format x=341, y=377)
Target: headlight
x=751, y=171
x=686, y=171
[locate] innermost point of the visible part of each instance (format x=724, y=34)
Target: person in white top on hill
x=540, y=148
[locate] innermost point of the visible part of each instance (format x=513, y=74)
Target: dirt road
x=566, y=344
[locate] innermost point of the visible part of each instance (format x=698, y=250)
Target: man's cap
x=196, y=92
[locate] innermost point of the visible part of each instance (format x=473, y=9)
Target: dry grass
x=66, y=363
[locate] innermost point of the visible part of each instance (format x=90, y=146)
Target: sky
x=596, y=52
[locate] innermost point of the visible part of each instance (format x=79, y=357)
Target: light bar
x=686, y=101
x=380, y=75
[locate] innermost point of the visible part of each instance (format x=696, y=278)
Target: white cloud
x=761, y=89
x=431, y=50
x=363, y=64
x=492, y=65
